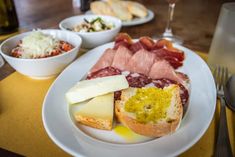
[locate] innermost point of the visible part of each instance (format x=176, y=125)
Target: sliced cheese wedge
x=88, y=89
x=98, y=112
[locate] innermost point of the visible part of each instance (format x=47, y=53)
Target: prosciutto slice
x=122, y=39
x=173, y=57
x=136, y=47
x=121, y=43
x=105, y=60
x=121, y=58
x=147, y=42
x=141, y=62
x=162, y=69
x=107, y=71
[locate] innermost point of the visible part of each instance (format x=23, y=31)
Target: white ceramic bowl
x=92, y=39
x=43, y=67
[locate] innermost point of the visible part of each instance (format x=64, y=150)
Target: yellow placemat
x=21, y=128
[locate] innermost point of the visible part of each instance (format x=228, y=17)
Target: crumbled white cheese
x=38, y=45
x=97, y=26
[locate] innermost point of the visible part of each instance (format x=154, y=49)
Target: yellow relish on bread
x=149, y=104
x=150, y=111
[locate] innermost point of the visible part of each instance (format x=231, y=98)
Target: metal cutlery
x=223, y=147
x=229, y=93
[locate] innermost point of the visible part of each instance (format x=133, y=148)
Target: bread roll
x=120, y=10
x=101, y=8
x=137, y=9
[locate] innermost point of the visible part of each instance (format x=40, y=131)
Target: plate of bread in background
x=131, y=13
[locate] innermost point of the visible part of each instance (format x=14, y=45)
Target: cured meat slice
x=184, y=94
x=141, y=62
x=143, y=43
x=173, y=61
x=147, y=42
x=123, y=37
x=174, y=58
x=135, y=80
x=138, y=80
x=166, y=53
x=121, y=58
x=162, y=69
x=164, y=50
x=136, y=47
x=163, y=43
x=183, y=76
x=105, y=60
x=121, y=43
x=107, y=71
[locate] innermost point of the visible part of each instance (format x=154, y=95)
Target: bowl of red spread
x=41, y=53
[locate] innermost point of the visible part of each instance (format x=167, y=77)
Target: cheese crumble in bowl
x=41, y=54
x=94, y=30
x=40, y=45
x=93, y=25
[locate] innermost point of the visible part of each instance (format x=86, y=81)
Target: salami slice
x=184, y=95
x=107, y=71
x=135, y=80
x=138, y=80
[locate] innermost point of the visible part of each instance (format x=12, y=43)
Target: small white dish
x=43, y=67
x=92, y=39
x=78, y=140
x=135, y=21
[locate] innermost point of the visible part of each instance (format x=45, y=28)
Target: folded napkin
x=22, y=131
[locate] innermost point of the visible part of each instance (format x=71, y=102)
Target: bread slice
x=160, y=127
x=121, y=11
x=136, y=9
x=97, y=113
x=101, y=8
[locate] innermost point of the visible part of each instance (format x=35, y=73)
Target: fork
x=223, y=147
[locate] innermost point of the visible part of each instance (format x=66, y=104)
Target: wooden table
x=194, y=20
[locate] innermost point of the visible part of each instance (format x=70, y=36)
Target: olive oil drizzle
x=149, y=104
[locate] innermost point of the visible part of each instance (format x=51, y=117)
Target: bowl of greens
x=94, y=30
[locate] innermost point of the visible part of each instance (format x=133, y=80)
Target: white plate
x=135, y=21
x=65, y=134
